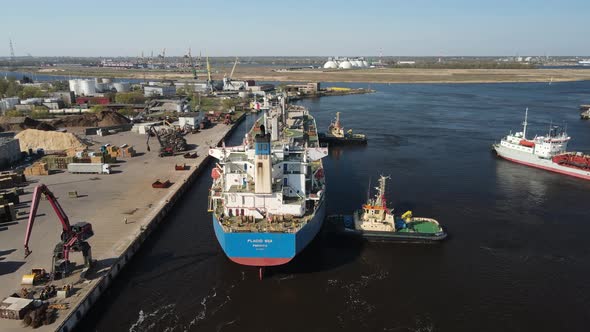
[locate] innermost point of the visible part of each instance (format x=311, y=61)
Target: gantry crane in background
x=73, y=237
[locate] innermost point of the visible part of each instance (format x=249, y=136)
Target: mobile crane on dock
x=170, y=139
x=73, y=237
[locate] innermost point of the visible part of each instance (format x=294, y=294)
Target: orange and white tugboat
x=544, y=152
x=376, y=222
x=338, y=136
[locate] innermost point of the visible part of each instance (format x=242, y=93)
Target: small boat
x=376, y=222
x=338, y=136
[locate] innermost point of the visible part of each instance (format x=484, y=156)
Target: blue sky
x=302, y=27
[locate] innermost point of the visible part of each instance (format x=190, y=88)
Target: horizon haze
x=267, y=28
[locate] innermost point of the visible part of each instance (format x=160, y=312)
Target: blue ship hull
x=267, y=249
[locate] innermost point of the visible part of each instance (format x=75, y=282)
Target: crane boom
x=208, y=70
x=233, y=69
x=61, y=215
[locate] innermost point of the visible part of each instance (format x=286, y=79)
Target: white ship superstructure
x=546, y=152
x=267, y=196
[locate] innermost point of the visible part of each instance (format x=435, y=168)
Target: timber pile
x=38, y=168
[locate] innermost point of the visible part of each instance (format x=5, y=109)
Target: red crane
x=73, y=237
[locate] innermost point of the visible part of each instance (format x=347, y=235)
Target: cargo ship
x=376, y=222
x=338, y=136
x=544, y=152
x=268, y=194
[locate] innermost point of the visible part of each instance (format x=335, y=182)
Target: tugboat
x=337, y=135
x=376, y=222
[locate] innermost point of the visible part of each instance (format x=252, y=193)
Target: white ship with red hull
x=544, y=152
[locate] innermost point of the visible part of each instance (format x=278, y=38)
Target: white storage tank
x=122, y=86
x=345, y=65
x=73, y=86
x=330, y=65
x=103, y=87
x=87, y=87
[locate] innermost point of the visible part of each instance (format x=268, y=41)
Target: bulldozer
x=36, y=277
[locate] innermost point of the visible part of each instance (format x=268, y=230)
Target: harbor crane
x=73, y=237
x=227, y=81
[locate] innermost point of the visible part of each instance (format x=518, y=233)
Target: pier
x=123, y=208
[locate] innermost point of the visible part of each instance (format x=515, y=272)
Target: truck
x=97, y=168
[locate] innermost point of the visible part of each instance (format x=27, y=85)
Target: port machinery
x=73, y=237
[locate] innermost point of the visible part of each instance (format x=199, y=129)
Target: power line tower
x=11, y=46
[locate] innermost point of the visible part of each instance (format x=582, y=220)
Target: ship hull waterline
x=546, y=165
x=262, y=249
x=337, y=225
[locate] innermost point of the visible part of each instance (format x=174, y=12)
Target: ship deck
x=278, y=224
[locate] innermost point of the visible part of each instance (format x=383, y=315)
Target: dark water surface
x=518, y=257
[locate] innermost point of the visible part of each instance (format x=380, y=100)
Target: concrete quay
x=122, y=207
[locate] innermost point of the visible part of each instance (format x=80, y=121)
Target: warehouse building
x=162, y=91
x=9, y=151
x=190, y=119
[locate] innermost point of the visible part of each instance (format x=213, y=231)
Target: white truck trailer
x=96, y=168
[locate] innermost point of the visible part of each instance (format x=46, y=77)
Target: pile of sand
x=48, y=140
x=100, y=119
x=21, y=123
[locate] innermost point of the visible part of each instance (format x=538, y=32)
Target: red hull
x=581, y=176
x=260, y=261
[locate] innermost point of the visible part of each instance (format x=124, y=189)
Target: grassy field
x=386, y=75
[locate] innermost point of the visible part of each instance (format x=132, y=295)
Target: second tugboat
x=378, y=223
x=337, y=135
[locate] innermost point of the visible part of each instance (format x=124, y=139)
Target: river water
x=517, y=258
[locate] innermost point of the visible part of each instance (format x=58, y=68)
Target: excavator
x=73, y=237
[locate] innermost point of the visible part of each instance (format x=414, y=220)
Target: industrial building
x=196, y=85
x=162, y=91
x=8, y=103
x=313, y=87
x=190, y=119
x=9, y=151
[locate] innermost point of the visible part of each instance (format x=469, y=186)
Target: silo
x=122, y=86
x=102, y=87
x=330, y=65
x=87, y=87
x=74, y=86
x=345, y=65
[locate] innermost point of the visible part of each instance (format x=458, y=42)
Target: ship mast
x=526, y=113
x=380, y=198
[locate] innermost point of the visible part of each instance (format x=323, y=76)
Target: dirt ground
x=373, y=75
